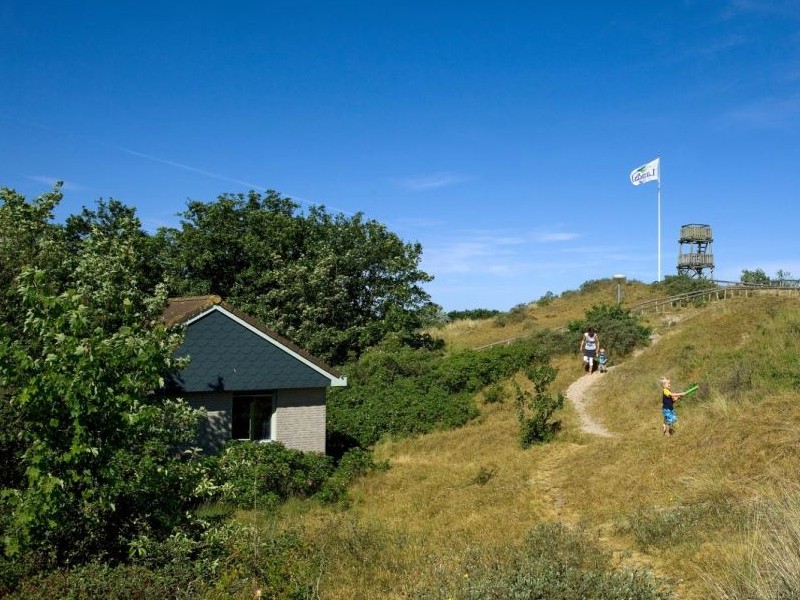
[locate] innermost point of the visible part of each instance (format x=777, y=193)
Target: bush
x=516, y=314
x=354, y=464
x=546, y=299
x=619, y=331
x=93, y=581
x=403, y=391
x=494, y=393
x=674, y=285
x=255, y=474
x=475, y=313
x=553, y=562
x=534, y=410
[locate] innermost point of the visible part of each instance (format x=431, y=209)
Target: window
x=252, y=416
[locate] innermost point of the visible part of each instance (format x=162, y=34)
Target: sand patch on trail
x=578, y=394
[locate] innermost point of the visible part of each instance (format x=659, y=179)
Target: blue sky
x=500, y=135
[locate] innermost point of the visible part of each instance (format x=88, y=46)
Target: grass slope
x=688, y=507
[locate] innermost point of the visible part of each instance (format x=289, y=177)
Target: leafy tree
x=113, y=220
x=756, y=277
x=28, y=237
x=784, y=278
x=80, y=356
x=335, y=284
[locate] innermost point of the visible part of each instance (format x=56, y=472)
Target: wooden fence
x=716, y=293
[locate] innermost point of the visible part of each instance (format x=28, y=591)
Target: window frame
x=254, y=401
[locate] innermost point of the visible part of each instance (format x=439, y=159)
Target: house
x=253, y=383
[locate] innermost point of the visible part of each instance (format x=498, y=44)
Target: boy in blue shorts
x=602, y=361
x=668, y=398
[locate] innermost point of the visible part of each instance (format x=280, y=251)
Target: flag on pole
x=649, y=172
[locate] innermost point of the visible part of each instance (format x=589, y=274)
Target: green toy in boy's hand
x=692, y=388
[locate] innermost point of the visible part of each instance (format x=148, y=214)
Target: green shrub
x=475, y=313
x=534, y=410
x=546, y=299
x=267, y=563
x=93, y=581
x=516, y=314
x=255, y=474
x=402, y=391
x=493, y=393
x=553, y=562
x=619, y=331
x=353, y=464
x=674, y=285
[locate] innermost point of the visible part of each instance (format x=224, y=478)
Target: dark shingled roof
x=183, y=309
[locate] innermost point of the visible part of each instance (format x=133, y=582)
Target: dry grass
x=570, y=306
x=683, y=506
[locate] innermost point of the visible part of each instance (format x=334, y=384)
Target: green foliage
x=404, y=391
x=355, y=463
x=755, y=277
x=494, y=393
x=551, y=342
x=534, y=410
x=546, y=298
x=80, y=356
x=178, y=581
x=675, y=285
x=259, y=476
x=516, y=314
x=475, y=313
x=553, y=562
x=255, y=475
x=759, y=277
x=226, y=562
x=619, y=331
x=335, y=284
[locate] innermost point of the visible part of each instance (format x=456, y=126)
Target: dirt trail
x=578, y=394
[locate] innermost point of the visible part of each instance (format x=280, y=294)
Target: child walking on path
x=602, y=361
x=668, y=398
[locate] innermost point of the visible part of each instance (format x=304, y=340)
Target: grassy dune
x=714, y=510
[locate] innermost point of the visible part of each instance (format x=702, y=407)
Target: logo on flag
x=648, y=172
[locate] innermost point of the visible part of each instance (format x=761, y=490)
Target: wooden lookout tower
x=694, y=251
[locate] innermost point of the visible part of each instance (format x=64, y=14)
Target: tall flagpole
x=659, y=218
x=644, y=174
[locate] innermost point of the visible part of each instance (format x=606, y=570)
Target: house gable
x=230, y=352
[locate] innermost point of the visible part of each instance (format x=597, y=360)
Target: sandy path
x=578, y=394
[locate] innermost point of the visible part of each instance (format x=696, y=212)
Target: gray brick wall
x=300, y=419
x=216, y=430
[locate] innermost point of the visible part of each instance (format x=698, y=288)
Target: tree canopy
x=82, y=351
x=334, y=284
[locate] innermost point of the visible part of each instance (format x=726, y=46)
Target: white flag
x=649, y=172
